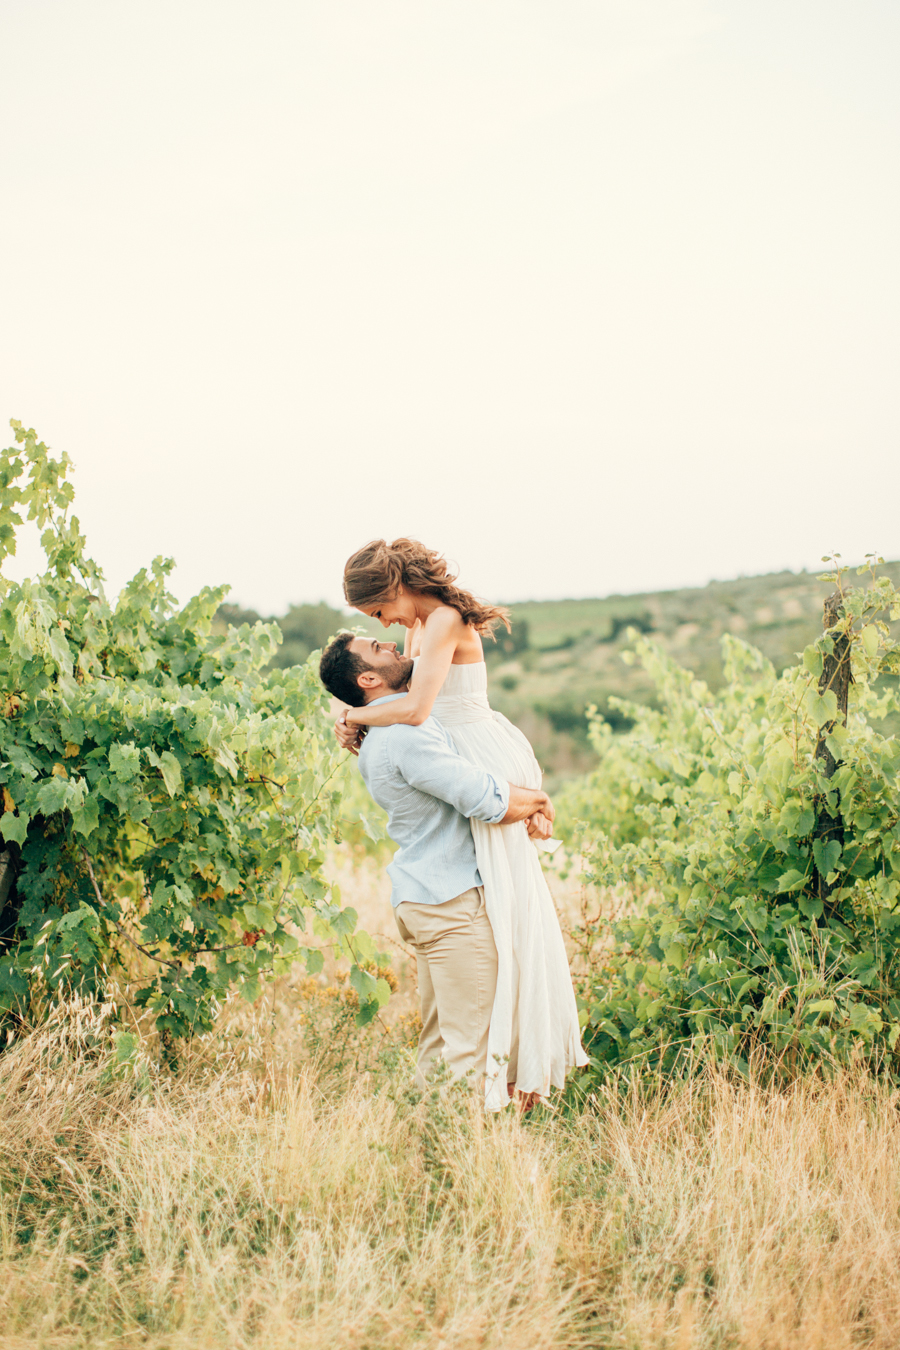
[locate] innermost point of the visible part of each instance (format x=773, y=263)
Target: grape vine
x=760, y=838
x=166, y=800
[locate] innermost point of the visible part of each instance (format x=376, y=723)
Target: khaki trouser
x=457, y=966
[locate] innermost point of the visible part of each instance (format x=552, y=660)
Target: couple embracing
x=462, y=791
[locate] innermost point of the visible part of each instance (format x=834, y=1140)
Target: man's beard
x=398, y=674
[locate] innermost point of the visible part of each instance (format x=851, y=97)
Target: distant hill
x=564, y=655
x=574, y=649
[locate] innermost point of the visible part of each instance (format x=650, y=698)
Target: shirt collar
x=385, y=698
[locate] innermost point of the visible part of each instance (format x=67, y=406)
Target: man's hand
x=526, y=802
x=539, y=827
x=350, y=738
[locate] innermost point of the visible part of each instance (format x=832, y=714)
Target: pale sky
x=593, y=295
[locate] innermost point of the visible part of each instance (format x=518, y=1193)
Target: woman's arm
x=440, y=637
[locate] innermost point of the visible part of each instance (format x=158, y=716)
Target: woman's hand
x=349, y=737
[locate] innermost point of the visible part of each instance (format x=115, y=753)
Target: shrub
x=166, y=804
x=769, y=890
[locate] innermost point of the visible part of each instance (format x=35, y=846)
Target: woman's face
x=401, y=609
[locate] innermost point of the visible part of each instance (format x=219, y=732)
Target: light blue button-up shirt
x=428, y=791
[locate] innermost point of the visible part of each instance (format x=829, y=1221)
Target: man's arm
x=427, y=761
x=525, y=802
x=424, y=758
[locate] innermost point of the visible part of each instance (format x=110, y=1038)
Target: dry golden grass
x=229, y=1208
x=272, y=1195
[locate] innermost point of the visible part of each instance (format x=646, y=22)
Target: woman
x=534, y=1029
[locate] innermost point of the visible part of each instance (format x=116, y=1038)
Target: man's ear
x=368, y=679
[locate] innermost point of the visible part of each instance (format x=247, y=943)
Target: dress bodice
x=463, y=696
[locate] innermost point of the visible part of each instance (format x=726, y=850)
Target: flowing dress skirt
x=534, y=1035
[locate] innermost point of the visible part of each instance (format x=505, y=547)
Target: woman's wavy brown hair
x=375, y=573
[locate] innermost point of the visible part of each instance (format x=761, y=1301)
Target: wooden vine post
x=835, y=676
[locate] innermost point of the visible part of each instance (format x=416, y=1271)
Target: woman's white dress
x=534, y=1035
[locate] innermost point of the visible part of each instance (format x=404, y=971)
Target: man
x=429, y=792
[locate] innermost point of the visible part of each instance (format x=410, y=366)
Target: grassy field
x=285, y=1188
x=229, y=1209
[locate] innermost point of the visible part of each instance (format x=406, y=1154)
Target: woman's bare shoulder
x=447, y=625
x=445, y=619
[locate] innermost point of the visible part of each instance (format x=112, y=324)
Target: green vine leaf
x=822, y=708
x=827, y=855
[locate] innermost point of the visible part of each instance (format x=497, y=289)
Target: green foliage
x=167, y=803
x=509, y=644
x=708, y=809
x=363, y=823
x=341, y=1044
x=304, y=629
x=575, y=648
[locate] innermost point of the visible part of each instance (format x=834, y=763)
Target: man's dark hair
x=339, y=668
